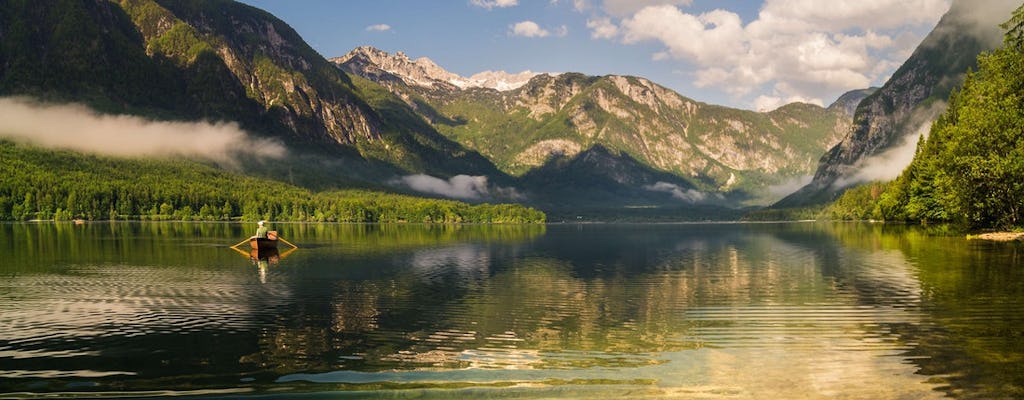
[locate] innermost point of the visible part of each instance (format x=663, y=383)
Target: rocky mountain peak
x=379, y=65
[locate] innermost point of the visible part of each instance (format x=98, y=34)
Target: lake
x=717, y=311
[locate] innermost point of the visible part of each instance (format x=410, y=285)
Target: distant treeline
x=64, y=185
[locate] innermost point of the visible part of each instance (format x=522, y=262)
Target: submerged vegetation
x=64, y=185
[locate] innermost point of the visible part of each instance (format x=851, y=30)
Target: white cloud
x=891, y=163
x=677, y=192
x=460, y=186
x=883, y=167
x=602, y=28
x=795, y=49
x=490, y=4
x=817, y=15
x=578, y=5
x=379, y=28
x=789, y=186
x=530, y=29
x=77, y=127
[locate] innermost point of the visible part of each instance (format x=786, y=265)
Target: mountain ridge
x=422, y=71
x=718, y=149
x=220, y=60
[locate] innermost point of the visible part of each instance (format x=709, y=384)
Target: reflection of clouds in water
x=885, y=274
x=128, y=301
x=467, y=260
x=836, y=341
x=787, y=372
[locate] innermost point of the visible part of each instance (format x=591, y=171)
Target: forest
x=62, y=185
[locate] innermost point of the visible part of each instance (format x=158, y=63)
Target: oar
x=240, y=251
x=240, y=243
x=287, y=252
x=287, y=242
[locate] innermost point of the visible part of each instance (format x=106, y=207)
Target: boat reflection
x=265, y=257
x=270, y=255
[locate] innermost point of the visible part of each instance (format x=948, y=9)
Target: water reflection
x=741, y=311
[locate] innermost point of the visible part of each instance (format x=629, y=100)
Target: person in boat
x=261, y=231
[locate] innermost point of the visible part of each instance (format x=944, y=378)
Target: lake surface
x=716, y=311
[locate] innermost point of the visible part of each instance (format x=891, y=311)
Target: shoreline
x=998, y=236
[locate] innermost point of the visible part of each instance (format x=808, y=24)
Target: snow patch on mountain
x=368, y=61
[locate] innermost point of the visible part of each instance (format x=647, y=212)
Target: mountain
x=968, y=170
x=557, y=140
x=894, y=116
x=523, y=128
x=381, y=66
x=218, y=60
x=848, y=102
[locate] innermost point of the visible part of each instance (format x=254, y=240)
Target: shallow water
x=636, y=311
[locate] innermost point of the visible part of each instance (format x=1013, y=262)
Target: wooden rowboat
x=270, y=242
x=265, y=249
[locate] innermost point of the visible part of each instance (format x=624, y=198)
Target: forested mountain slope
x=970, y=170
x=895, y=115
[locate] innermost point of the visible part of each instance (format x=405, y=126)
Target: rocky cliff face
x=848, y=102
x=719, y=149
x=911, y=99
x=273, y=65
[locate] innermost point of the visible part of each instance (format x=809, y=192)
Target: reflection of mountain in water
x=853, y=310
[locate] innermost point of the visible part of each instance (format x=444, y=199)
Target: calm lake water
x=717, y=311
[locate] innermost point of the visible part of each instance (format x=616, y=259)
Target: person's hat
x=261, y=222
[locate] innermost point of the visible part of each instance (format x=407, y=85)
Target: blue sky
x=747, y=54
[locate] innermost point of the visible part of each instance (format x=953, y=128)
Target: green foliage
x=64, y=185
x=784, y=214
x=857, y=203
x=970, y=170
x=1015, y=30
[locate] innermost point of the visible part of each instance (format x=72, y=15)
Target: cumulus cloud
x=490, y=4
x=795, y=49
x=530, y=29
x=602, y=28
x=379, y=28
x=678, y=192
x=79, y=128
